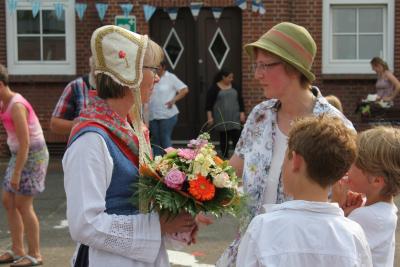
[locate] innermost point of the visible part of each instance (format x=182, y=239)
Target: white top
x=114, y=240
x=164, y=91
x=271, y=189
x=303, y=233
x=379, y=222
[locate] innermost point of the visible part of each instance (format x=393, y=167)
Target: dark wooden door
x=197, y=49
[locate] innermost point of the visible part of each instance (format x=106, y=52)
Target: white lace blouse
x=113, y=240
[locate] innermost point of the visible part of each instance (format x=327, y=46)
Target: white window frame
x=331, y=66
x=64, y=67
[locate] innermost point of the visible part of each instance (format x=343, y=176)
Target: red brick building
x=44, y=53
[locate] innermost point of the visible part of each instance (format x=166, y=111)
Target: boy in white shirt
x=376, y=173
x=309, y=231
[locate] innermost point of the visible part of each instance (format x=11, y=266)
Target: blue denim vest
x=124, y=175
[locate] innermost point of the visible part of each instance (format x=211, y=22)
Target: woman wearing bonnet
x=103, y=156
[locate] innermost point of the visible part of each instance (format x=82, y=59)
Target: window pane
x=371, y=20
x=54, y=48
x=51, y=24
x=344, y=47
x=344, y=20
x=26, y=23
x=371, y=46
x=28, y=48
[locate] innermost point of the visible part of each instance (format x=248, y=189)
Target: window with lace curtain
x=44, y=43
x=356, y=31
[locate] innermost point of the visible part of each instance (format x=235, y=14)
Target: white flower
x=222, y=180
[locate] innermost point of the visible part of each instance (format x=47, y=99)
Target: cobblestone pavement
x=57, y=246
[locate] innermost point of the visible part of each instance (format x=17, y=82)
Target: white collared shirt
x=379, y=222
x=303, y=233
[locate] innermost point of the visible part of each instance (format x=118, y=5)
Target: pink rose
x=187, y=153
x=174, y=179
x=169, y=150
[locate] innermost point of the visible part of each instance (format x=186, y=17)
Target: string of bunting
x=257, y=6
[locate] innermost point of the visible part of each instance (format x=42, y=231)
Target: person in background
x=283, y=57
x=334, y=101
x=163, y=112
x=225, y=109
x=102, y=160
x=25, y=174
x=308, y=230
x=375, y=174
x=387, y=85
x=75, y=97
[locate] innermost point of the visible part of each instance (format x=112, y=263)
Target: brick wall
x=43, y=92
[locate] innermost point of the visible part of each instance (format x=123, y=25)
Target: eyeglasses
x=263, y=66
x=154, y=70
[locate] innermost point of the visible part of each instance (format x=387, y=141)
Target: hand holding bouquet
x=192, y=180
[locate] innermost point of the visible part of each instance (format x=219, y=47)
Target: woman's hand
x=353, y=201
x=15, y=180
x=183, y=222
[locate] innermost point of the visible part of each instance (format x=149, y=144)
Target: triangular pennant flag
x=126, y=9
x=254, y=6
x=101, y=10
x=59, y=8
x=172, y=13
x=148, y=12
x=241, y=3
x=195, y=8
x=261, y=9
x=35, y=8
x=216, y=11
x=80, y=9
x=12, y=5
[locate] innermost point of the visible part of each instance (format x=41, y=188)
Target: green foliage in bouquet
x=192, y=179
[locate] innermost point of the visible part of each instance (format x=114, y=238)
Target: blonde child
x=376, y=173
x=309, y=231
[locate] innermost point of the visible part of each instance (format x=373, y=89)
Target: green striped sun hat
x=292, y=43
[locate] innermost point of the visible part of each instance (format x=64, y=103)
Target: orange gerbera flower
x=201, y=189
x=218, y=160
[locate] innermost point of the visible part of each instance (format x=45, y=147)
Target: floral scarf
x=100, y=115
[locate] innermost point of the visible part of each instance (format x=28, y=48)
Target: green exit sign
x=128, y=22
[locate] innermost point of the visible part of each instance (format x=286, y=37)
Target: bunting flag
x=148, y=12
x=261, y=9
x=217, y=12
x=172, y=13
x=195, y=8
x=59, y=8
x=126, y=9
x=241, y=3
x=254, y=6
x=101, y=10
x=80, y=9
x=35, y=7
x=12, y=5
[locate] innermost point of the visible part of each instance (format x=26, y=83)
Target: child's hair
x=334, y=101
x=378, y=154
x=327, y=146
x=3, y=75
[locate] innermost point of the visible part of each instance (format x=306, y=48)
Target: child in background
x=334, y=101
x=309, y=231
x=376, y=173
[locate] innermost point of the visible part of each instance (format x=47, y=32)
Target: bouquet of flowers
x=192, y=179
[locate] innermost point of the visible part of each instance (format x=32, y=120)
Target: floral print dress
x=255, y=147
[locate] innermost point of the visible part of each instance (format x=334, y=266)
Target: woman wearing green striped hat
x=282, y=61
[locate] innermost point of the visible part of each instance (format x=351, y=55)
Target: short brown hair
x=3, y=75
x=304, y=82
x=334, y=101
x=327, y=146
x=378, y=61
x=378, y=153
